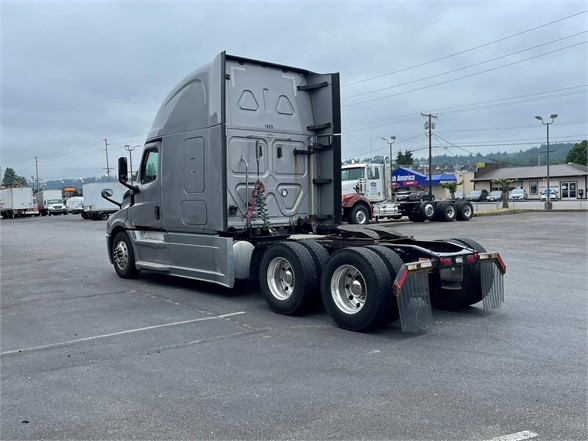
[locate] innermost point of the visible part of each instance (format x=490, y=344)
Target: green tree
x=405, y=158
x=11, y=179
x=504, y=185
x=577, y=154
x=451, y=186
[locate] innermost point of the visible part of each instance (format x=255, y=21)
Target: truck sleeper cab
x=242, y=155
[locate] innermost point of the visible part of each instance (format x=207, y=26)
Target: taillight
x=472, y=257
x=445, y=260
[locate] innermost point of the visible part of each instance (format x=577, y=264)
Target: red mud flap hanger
x=492, y=270
x=411, y=289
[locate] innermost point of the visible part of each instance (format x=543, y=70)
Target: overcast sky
x=74, y=73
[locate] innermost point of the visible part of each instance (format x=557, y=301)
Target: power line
x=505, y=143
x=483, y=105
x=487, y=129
x=464, y=67
x=466, y=76
x=467, y=50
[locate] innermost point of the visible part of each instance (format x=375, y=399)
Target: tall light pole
x=389, y=173
x=129, y=149
x=552, y=116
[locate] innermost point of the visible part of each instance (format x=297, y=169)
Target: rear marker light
x=445, y=260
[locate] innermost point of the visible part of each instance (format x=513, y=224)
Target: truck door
x=146, y=212
x=374, y=191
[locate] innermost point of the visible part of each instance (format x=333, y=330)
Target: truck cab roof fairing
x=189, y=105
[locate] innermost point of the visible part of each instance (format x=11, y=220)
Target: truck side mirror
x=123, y=174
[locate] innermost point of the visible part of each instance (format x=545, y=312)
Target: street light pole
x=548, y=205
x=389, y=173
x=129, y=149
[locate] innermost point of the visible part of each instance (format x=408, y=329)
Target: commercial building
x=569, y=181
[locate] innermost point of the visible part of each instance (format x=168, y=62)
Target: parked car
x=420, y=195
x=552, y=196
x=458, y=195
x=495, y=195
x=402, y=195
x=518, y=194
x=477, y=195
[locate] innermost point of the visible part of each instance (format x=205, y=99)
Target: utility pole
x=429, y=125
x=37, y=172
x=107, y=166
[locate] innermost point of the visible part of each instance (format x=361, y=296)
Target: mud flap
x=492, y=270
x=411, y=289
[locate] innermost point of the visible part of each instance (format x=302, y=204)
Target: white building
x=570, y=181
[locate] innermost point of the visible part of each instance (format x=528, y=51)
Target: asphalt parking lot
x=87, y=355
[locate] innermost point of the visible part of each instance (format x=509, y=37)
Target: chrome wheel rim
x=451, y=211
x=360, y=217
x=467, y=211
x=121, y=255
x=429, y=210
x=348, y=289
x=280, y=278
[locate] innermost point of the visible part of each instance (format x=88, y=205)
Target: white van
x=75, y=205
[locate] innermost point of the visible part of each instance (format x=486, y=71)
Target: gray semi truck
x=240, y=178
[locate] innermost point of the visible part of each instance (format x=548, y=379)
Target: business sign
x=405, y=178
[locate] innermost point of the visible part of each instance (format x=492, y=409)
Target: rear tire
x=103, y=216
x=448, y=211
x=393, y=263
x=356, y=290
x=288, y=279
x=465, y=211
x=319, y=256
x=123, y=256
x=427, y=210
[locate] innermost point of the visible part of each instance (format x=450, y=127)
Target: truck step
x=151, y=266
x=151, y=243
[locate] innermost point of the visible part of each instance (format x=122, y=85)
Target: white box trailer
x=95, y=206
x=16, y=202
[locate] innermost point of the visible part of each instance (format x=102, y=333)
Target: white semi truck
x=95, y=206
x=366, y=194
x=17, y=202
x=242, y=155
x=50, y=202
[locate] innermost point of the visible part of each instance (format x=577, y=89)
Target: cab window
x=373, y=173
x=150, y=166
x=351, y=174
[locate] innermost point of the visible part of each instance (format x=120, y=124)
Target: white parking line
x=519, y=436
x=130, y=331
